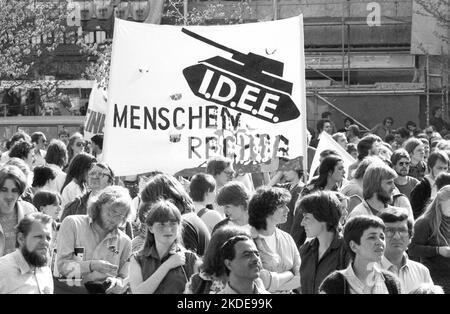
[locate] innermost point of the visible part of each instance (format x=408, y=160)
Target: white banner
x=327, y=142
x=180, y=95
x=96, y=113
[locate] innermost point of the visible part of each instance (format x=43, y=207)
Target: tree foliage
x=29, y=30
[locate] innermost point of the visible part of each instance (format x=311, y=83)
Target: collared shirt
x=410, y=273
x=256, y=290
x=358, y=287
x=76, y=234
x=312, y=270
x=16, y=276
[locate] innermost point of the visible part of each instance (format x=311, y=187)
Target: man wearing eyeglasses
x=398, y=232
x=400, y=162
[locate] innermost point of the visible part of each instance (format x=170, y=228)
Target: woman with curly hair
x=279, y=254
x=24, y=151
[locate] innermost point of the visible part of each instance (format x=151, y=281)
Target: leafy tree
x=29, y=31
x=170, y=11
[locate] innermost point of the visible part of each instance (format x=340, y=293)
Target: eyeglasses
x=80, y=144
x=404, y=163
x=401, y=231
x=229, y=173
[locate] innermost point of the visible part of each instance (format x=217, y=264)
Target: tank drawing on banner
x=249, y=83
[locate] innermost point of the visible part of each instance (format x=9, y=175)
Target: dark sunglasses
x=79, y=144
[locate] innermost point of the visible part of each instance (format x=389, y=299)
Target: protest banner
x=96, y=113
x=179, y=95
x=327, y=142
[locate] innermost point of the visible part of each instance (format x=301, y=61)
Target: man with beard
x=26, y=270
x=400, y=162
x=378, y=191
x=93, y=248
x=242, y=265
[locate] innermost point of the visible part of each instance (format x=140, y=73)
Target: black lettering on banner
x=164, y=118
x=134, y=117
x=165, y=127
x=87, y=119
x=192, y=147
x=120, y=119
x=227, y=116
x=89, y=124
x=211, y=116
x=97, y=122
x=149, y=118
x=192, y=117
x=175, y=121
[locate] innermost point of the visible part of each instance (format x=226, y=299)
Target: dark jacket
x=336, y=283
x=420, y=196
x=313, y=271
x=424, y=248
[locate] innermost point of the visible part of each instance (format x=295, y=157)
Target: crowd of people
x=382, y=226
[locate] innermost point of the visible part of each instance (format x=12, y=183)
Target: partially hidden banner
x=180, y=95
x=96, y=113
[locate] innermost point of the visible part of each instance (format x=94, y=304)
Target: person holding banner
x=163, y=266
x=278, y=251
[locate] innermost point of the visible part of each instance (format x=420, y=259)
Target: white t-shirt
x=271, y=241
x=70, y=192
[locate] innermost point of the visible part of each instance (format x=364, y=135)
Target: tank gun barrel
x=210, y=42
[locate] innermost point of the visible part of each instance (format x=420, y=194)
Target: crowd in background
x=69, y=225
